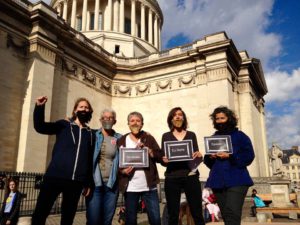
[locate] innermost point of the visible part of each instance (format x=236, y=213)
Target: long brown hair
x=76, y=105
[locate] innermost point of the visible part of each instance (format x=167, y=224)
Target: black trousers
x=51, y=188
x=192, y=188
x=230, y=201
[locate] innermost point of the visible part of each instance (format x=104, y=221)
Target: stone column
x=155, y=32
x=96, y=15
x=65, y=12
x=143, y=21
x=159, y=35
x=116, y=16
x=32, y=153
x=73, y=14
x=122, y=17
x=59, y=9
x=108, y=15
x=150, y=28
x=84, y=14
x=133, y=18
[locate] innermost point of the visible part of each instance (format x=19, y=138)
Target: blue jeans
x=151, y=202
x=101, y=205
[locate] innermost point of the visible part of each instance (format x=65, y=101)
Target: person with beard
x=182, y=175
x=138, y=183
x=101, y=203
x=229, y=178
x=70, y=169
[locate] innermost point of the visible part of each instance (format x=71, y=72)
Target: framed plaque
x=136, y=157
x=179, y=150
x=218, y=143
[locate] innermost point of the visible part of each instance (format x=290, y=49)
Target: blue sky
x=268, y=29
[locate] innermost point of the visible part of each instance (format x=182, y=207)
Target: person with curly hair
x=229, y=178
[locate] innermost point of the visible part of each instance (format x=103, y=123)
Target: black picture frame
x=179, y=150
x=218, y=143
x=135, y=157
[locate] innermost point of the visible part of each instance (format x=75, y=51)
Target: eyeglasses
x=107, y=118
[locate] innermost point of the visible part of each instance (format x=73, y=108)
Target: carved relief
x=140, y=89
x=65, y=67
x=105, y=85
x=243, y=87
x=22, y=48
x=181, y=80
x=159, y=85
x=122, y=89
x=91, y=78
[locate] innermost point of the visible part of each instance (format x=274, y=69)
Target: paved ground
x=142, y=220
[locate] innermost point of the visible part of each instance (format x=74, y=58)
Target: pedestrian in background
x=9, y=214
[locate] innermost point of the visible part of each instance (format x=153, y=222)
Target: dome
x=129, y=28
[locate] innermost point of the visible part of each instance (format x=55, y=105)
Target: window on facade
x=127, y=26
x=100, y=21
x=117, y=49
x=293, y=167
x=79, y=23
x=92, y=19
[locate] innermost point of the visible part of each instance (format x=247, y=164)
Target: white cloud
x=244, y=21
x=283, y=86
x=284, y=129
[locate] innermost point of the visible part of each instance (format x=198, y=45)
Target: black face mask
x=83, y=116
x=223, y=127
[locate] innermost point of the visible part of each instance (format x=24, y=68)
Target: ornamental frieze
x=162, y=85
x=122, y=90
x=20, y=47
x=105, y=85
x=69, y=69
x=90, y=78
x=187, y=80
x=142, y=89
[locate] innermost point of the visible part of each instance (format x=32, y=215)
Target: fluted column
x=96, y=15
x=84, y=14
x=73, y=14
x=116, y=16
x=133, y=18
x=143, y=21
x=150, y=28
x=108, y=15
x=59, y=9
x=65, y=12
x=122, y=17
x=159, y=35
x=155, y=32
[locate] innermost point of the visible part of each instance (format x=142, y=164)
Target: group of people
x=86, y=161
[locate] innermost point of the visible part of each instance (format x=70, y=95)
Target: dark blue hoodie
x=231, y=172
x=73, y=150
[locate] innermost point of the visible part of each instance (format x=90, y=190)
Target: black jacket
x=15, y=210
x=73, y=150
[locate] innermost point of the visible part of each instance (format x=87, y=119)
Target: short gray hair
x=113, y=112
x=138, y=114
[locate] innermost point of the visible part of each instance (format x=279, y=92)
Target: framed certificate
x=136, y=157
x=179, y=150
x=218, y=143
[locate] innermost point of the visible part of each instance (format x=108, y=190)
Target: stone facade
x=41, y=54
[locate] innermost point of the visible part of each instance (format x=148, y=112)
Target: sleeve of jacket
x=90, y=180
x=16, y=206
x=157, y=152
x=245, y=153
x=209, y=162
x=39, y=123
